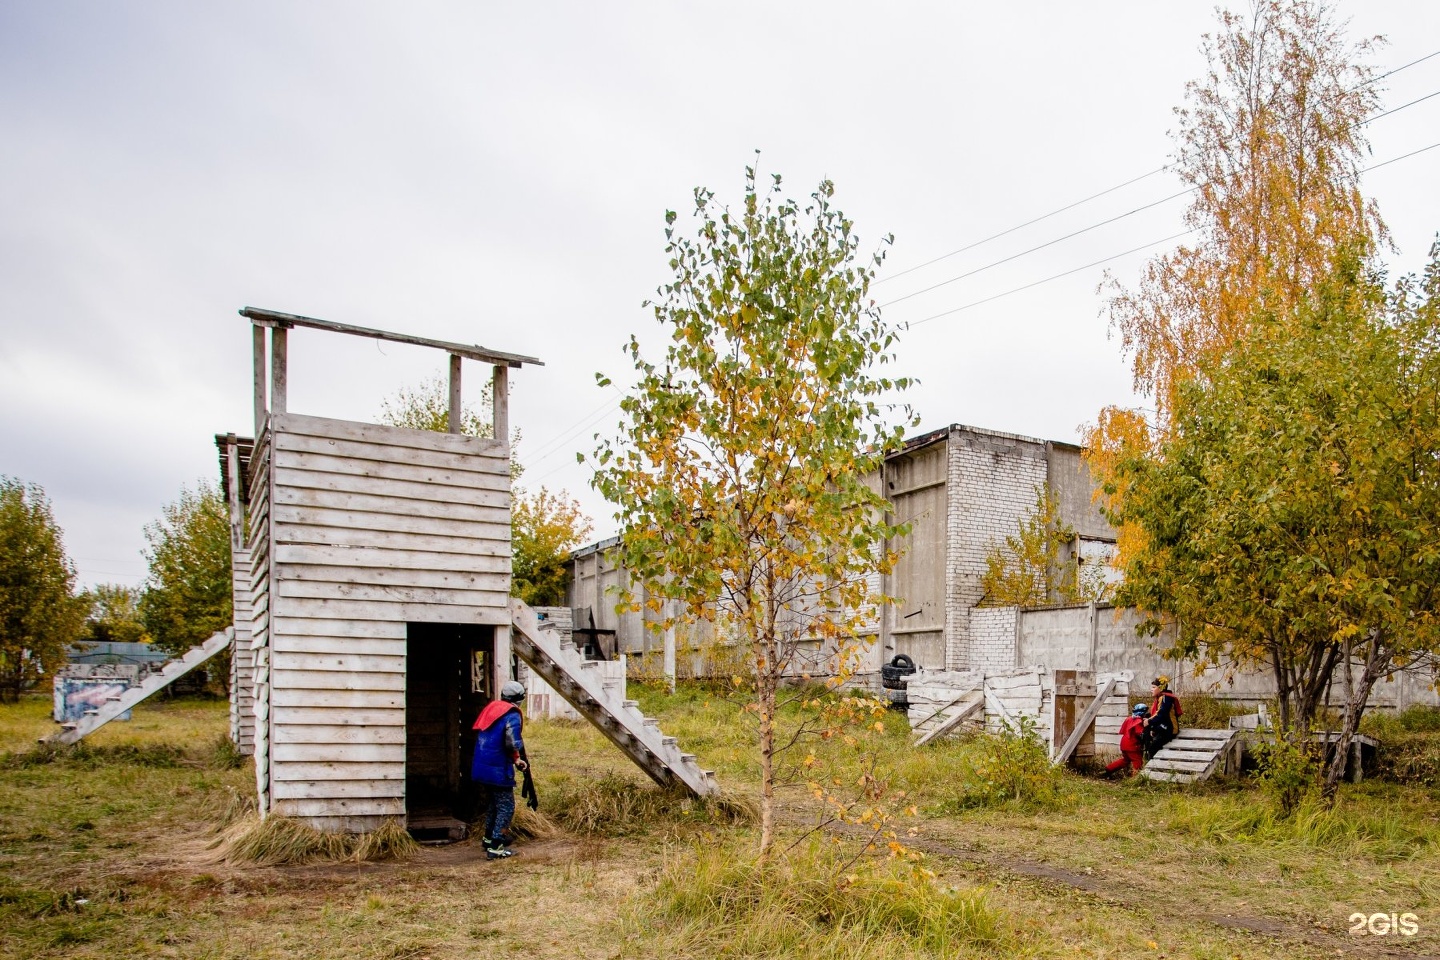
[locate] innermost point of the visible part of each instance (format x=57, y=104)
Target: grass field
x=109, y=850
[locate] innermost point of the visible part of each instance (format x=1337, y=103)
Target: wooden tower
x=379, y=581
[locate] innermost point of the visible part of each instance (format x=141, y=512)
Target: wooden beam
x=278, y=369
x=457, y=408
x=237, y=512
x=500, y=403
x=952, y=722
x=1086, y=718
x=260, y=377
x=281, y=321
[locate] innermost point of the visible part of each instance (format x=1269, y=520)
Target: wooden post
x=258, y=332
x=457, y=414
x=670, y=647
x=500, y=403
x=277, y=369
x=500, y=669
x=237, y=513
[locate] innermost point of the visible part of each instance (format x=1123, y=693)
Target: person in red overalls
x=1132, y=742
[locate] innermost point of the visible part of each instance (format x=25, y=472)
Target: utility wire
x=1133, y=180
x=1048, y=243
x=1143, y=246
x=1027, y=223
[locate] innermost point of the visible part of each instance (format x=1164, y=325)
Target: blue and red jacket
x=497, y=745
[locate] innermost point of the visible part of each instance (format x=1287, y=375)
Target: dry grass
x=103, y=854
x=282, y=841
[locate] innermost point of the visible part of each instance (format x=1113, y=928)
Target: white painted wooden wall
x=242, y=657
x=369, y=528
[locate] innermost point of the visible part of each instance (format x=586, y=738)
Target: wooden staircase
x=1195, y=755
x=577, y=680
x=95, y=719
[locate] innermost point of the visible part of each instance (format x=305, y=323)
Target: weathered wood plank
x=341, y=664
x=286, y=553
x=370, y=681
x=1184, y=766
x=339, y=769
x=342, y=811
x=281, y=696
x=329, y=751
x=375, y=630
x=496, y=512
x=332, y=733
x=327, y=429
x=482, y=473
x=495, y=529
x=447, y=579
x=496, y=614
x=393, y=489
x=290, y=534
x=295, y=643
x=334, y=789
x=396, y=593
x=336, y=717
x=494, y=460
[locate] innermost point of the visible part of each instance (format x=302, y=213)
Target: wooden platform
x=1195, y=755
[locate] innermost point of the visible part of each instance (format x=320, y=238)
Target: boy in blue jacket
x=499, y=752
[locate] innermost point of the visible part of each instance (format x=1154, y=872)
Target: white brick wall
x=992, y=639
x=992, y=481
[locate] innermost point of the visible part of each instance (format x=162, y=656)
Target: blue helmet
x=1139, y=710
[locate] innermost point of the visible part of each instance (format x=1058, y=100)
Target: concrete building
x=962, y=489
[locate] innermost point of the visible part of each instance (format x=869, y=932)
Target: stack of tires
x=895, y=678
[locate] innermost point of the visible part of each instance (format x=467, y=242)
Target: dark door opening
x=447, y=682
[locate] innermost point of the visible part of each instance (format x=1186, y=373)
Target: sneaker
x=498, y=853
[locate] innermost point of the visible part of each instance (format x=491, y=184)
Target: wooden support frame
x=279, y=372
x=500, y=403
x=952, y=722
x=261, y=376
x=456, y=416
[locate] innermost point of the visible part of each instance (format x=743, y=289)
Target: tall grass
x=811, y=903
x=1372, y=831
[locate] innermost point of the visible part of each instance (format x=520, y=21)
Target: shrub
x=1289, y=772
x=1009, y=768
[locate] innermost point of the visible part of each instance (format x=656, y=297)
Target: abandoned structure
x=962, y=489
x=371, y=578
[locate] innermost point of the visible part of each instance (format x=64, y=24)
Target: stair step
x=669, y=741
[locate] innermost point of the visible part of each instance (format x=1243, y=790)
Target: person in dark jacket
x=498, y=753
x=1164, y=721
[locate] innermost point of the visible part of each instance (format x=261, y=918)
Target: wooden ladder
x=577, y=680
x=1194, y=755
x=173, y=670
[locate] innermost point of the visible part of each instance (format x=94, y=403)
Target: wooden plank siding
x=371, y=528
x=259, y=539
x=242, y=657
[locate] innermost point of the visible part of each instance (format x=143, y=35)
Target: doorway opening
x=447, y=682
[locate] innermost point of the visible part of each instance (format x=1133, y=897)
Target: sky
x=498, y=174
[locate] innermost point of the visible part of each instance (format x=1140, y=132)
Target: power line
x=946, y=313
x=1027, y=223
x=1133, y=180
x=1403, y=106
x=1143, y=246
x=1401, y=157
x=1048, y=243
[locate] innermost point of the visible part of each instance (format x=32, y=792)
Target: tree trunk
x=765, y=700
x=1378, y=660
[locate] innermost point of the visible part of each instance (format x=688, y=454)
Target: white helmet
x=512, y=691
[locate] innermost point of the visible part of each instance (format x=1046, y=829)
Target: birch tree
x=739, y=474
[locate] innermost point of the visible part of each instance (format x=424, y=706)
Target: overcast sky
x=498, y=174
